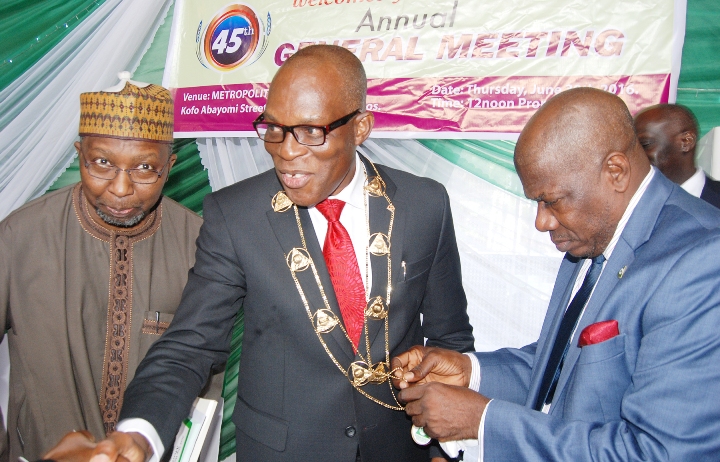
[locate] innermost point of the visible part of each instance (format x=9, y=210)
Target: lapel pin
x=621, y=273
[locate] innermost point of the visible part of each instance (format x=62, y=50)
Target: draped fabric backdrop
x=53, y=50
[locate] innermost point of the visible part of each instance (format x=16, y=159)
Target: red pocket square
x=598, y=332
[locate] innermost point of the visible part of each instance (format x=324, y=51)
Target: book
x=192, y=434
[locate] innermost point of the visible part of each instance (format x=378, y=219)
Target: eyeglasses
x=309, y=135
x=137, y=175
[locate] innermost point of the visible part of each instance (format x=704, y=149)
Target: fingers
x=397, y=379
x=120, y=447
x=406, y=361
x=80, y=446
x=76, y=445
x=446, y=412
x=431, y=361
x=428, y=364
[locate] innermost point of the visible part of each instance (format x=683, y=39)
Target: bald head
x=321, y=89
x=679, y=117
x=339, y=61
x=579, y=158
x=578, y=128
x=668, y=134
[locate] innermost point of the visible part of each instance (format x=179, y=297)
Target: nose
x=121, y=185
x=290, y=148
x=545, y=220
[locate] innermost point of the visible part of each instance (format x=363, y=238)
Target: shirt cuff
x=475, y=375
x=481, y=434
x=146, y=429
x=453, y=448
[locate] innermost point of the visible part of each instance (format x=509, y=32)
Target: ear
x=687, y=141
x=364, y=123
x=78, y=146
x=171, y=161
x=617, y=168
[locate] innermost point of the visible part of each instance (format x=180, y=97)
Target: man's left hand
x=446, y=412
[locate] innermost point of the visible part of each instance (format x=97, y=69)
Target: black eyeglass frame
x=291, y=128
x=127, y=170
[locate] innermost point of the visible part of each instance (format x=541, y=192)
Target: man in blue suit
x=627, y=366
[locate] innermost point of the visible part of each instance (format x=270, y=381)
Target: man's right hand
x=428, y=364
x=80, y=446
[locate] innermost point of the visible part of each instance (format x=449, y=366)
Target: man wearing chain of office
x=338, y=263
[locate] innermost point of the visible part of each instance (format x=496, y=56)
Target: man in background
x=91, y=274
x=627, y=363
x=668, y=133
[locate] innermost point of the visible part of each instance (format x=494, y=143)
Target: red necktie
x=344, y=270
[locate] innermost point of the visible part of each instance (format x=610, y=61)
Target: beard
x=128, y=223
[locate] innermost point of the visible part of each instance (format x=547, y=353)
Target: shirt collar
x=628, y=212
x=354, y=193
x=695, y=184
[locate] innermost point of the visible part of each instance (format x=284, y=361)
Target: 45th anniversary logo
x=234, y=37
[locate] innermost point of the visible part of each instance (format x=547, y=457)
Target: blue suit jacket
x=651, y=393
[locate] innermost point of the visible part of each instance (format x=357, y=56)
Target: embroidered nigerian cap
x=129, y=110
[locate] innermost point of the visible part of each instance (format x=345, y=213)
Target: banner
x=436, y=68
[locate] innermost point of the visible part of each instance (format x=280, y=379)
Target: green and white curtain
x=52, y=50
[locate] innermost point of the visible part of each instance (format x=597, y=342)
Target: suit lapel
x=284, y=226
x=379, y=222
x=622, y=256
x=637, y=231
x=559, y=301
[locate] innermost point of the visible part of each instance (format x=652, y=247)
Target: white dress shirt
x=476, y=375
x=354, y=218
x=695, y=184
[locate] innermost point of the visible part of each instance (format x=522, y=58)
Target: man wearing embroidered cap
x=91, y=274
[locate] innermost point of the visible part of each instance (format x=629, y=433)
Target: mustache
x=122, y=223
x=118, y=206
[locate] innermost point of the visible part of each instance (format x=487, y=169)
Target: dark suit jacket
x=711, y=191
x=293, y=402
x=649, y=393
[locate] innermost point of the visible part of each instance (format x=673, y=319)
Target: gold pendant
x=376, y=309
x=375, y=187
x=379, y=245
x=280, y=202
x=379, y=374
x=325, y=321
x=359, y=373
x=298, y=259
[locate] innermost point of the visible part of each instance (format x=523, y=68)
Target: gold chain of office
x=324, y=320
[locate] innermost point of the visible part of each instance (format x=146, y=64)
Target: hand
x=428, y=364
x=446, y=412
x=80, y=446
